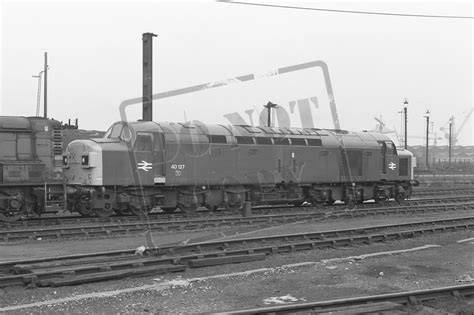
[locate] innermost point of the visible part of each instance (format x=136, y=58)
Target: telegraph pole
x=427, y=135
x=45, y=85
x=405, y=106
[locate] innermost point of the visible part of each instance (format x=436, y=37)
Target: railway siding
x=422, y=196
x=156, y=225
x=99, y=266
x=365, y=304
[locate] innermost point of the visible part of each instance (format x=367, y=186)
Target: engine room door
x=366, y=165
x=323, y=169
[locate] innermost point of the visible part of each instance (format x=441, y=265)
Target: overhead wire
x=347, y=11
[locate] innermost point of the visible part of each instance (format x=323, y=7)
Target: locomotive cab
x=406, y=163
x=103, y=173
x=117, y=158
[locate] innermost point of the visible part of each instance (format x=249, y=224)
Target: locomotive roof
x=20, y=123
x=14, y=122
x=330, y=137
x=237, y=130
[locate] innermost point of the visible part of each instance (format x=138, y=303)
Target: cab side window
x=143, y=142
x=392, y=148
x=126, y=134
x=115, y=132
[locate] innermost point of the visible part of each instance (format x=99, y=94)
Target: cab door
x=389, y=160
x=144, y=158
x=392, y=161
x=159, y=177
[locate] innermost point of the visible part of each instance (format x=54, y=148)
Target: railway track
x=77, y=269
x=430, y=191
x=445, y=179
x=120, y=228
x=48, y=222
x=374, y=304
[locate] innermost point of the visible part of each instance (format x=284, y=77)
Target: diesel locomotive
x=140, y=165
x=30, y=165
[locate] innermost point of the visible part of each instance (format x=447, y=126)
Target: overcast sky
x=95, y=58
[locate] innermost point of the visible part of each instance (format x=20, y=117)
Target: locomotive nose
x=83, y=163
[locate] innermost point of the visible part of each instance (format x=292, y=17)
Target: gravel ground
x=255, y=284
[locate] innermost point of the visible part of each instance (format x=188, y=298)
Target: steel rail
x=70, y=220
x=341, y=305
x=449, y=192
x=356, y=234
x=119, y=228
x=69, y=270
x=439, y=188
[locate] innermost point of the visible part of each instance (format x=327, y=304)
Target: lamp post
x=45, y=103
x=269, y=107
x=405, y=107
x=427, y=115
x=38, y=95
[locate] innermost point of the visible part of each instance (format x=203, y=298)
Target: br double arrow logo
x=392, y=166
x=144, y=165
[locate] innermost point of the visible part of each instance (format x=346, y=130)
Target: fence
x=442, y=166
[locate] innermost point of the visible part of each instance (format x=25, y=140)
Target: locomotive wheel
x=104, y=213
x=7, y=213
x=233, y=208
x=168, y=209
x=400, y=195
x=31, y=206
x=211, y=208
x=119, y=211
x=191, y=209
x=83, y=208
x=349, y=202
x=330, y=202
x=297, y=203
x=139, y=211
x=399, y=198
x=10, y=217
